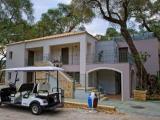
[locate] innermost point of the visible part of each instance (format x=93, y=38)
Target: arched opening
x=107, y=81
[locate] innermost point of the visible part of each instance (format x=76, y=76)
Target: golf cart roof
x=39, y=68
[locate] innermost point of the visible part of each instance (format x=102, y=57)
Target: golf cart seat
x=24, y=88
x=43, y=89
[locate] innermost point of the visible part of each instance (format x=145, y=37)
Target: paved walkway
x=148, y=108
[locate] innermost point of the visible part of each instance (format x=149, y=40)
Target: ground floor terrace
x=148, y=108
x=116, y=81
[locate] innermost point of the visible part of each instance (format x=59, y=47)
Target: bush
x=153, y=85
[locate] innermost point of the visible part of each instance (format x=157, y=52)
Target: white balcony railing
x=90, y=59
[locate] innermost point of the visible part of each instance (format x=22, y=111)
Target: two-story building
x=103, y=65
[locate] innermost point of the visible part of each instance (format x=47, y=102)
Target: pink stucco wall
x=123, y=68
x=152, y=48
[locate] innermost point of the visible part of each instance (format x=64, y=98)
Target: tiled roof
x=52, y=37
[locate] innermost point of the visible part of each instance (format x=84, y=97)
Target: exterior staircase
x=101, y=96
x=78, y=85
x=81, y=93
x=65, y=81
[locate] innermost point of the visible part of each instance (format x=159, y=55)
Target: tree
x=62, y=19
x=143, y=57
x=147, y=14
x=117, y=12
x=13, y=24
x=132, y=31
x=2, y=61
x=111, y=32
x=12, y=14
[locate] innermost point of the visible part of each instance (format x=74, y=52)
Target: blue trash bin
x=89, y=101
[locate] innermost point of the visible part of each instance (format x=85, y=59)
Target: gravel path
x=14, y=113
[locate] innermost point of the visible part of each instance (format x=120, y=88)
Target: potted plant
x=140, y=93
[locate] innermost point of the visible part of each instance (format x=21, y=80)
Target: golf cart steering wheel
x=27, y=94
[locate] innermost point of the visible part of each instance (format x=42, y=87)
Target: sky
x=97, y=26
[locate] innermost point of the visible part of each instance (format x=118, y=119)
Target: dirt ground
x=14, y=113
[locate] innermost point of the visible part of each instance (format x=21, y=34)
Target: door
x=65, y=55
x=29, y=77
x=118, y=83
x=30, y=58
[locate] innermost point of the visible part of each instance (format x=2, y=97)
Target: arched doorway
x=107, y=81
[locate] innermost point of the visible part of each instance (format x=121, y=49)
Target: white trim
x=106, y=68
x=33, y=68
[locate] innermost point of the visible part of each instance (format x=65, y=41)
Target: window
x=10, y=55
x=9, y=75
x=123, y=54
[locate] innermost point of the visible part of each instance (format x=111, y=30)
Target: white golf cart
x=36, y=96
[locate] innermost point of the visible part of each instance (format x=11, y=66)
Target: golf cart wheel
x=36, y=109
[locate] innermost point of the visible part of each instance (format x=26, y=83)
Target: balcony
x=91, y=59
x=109, y=59
x=56, y=60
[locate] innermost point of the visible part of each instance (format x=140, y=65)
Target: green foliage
x=12, y=23
x=142, y=57
x=132, y=31
x=155, y=27
x=146, y=12
x=111, y=32
x=153, y=85
x=62, y=19
x=13, y=27
x=14, y=10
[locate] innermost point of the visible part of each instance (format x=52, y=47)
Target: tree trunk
x=134, y=51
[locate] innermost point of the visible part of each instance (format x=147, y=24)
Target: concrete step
x=89, y=89
x=78, y=85
x=92, y=89
x=80, y=93
x=102, y=95
x=104, y=98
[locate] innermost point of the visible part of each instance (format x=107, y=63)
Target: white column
x=46, y=52
x=83, y=53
